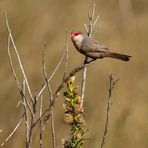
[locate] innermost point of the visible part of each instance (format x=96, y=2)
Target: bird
x=94, y=49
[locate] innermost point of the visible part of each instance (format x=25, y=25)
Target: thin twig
x=15, y=76
x=56, y=94
x=83, y=83
x=93, y=11
x=53, y=129
x=96, y=20
x=18, y=57
x=112, y=83
x=26, y=114
x=12, y=133
x=53, y=73
x=66, y=48
x=48, y=85
x=11, y=64
x=41, y=123
x=89, y=29
x=50, y=99
x=86, y=28
x=24, y=100
x=95, y=32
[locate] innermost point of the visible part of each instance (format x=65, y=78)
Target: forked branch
x=18, y=57
x=112, y=83
x=92, y=21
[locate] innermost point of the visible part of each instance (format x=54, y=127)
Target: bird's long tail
x=116, y=55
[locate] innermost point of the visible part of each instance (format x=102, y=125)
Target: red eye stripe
x=74, y=34
x=77, y=33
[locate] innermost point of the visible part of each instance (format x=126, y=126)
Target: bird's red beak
x=72, y=35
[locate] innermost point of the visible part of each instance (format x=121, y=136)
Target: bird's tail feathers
x=116, y=56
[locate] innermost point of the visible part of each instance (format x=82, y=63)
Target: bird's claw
x=87, y=62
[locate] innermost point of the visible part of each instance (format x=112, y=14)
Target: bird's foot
x=87, y=62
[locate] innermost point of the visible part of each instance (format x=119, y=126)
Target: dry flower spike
x=74, y=116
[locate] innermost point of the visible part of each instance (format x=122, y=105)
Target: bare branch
x=86, y=28
x=26, y=113
x=66, y=48
x=89, y=29
x=112, y=83
x=18, y=57
x=25, y=99
x=96, y=20
x=83, y=84
x=95, y=32
x=11, y=64
x=49, y=88
x=53, y=73
x=93, y=11
x=12, y=133
x=14, y=74
x=50, y=99
x=53, y=129
x=56, y=94
x=41, y=123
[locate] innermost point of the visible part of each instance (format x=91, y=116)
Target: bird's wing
x=91, y=45
x=99, y=44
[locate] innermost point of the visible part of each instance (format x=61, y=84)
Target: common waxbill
x=92, y=48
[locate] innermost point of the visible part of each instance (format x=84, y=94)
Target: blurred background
x=123, y=27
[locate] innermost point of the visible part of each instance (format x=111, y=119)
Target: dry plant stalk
x=112, y=83
x=12, y=133
x=50, y=99
x=74, y=116
x=47, y=113
x=73, y=105
x=18, y=57
x=92, y=21
x=41, y=123
x=29, y=102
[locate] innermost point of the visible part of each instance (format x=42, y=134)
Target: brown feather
x=116, y=55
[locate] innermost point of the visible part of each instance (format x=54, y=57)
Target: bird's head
x=77, y=36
